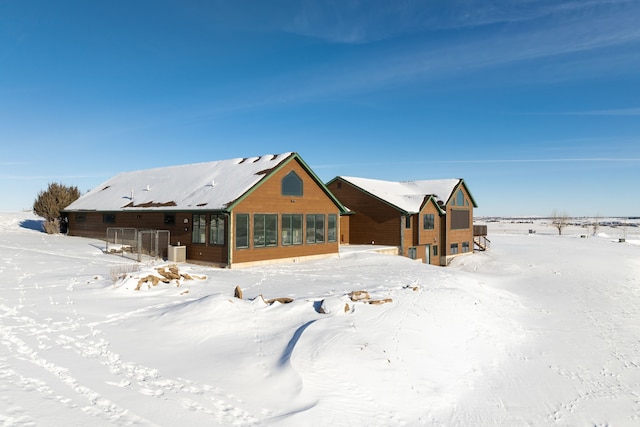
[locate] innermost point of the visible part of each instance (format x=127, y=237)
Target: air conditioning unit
x=177, y=253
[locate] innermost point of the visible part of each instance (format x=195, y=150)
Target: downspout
x=402, y=223
x=229, y=239
x=444, y=234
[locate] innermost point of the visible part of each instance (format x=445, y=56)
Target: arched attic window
x=292, y=185
x=460, y=198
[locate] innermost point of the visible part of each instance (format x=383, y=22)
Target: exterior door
x=427, y=255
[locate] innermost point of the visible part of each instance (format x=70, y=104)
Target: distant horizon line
x=629, y=217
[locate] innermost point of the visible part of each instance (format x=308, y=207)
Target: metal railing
x=482, y=243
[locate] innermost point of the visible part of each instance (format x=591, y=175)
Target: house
x=237, y=212
x=428, y=220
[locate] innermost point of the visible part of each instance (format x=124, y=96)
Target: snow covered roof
x=211, y=185
x=406, y=195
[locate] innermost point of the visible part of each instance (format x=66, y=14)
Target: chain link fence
x=137, y=244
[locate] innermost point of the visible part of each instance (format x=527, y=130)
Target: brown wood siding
x=180, y=232
x=345, y=221
x=431, y=237
x=268, y=199
x=373, y=222
x=409, y=235
x=459, y=235
x=479, y=230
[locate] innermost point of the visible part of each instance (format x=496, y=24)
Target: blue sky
x=536, y=104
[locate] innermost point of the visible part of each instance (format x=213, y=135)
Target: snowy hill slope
x=541, y=330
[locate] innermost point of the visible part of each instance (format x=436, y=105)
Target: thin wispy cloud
x=576, y=38
x=553, y=38
x=566, y=160
x=508, y=33
x=484, y=161
x=351, y=21
x=610, y=112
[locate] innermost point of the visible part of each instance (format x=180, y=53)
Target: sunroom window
x=199, y=225
x=216, y=230
x=315, y=228
x=265, y=230
x=242, y=230
x=291, y=229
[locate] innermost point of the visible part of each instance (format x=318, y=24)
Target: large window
x=199, y=228
x=216, y=230
x=332, y=228
x=291, y=229
x=265, y=230
x=315, y=228
x=428, y=221
x=242, y=230
x=292, y=185
x=460, y=219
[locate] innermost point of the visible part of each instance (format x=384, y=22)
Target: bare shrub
x=559, y=220
x=120, y=271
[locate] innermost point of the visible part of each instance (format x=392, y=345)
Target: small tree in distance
x=559, y=220
x=50, y=202
x=596, y=225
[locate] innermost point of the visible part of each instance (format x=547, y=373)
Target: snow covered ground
x=540, y=330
